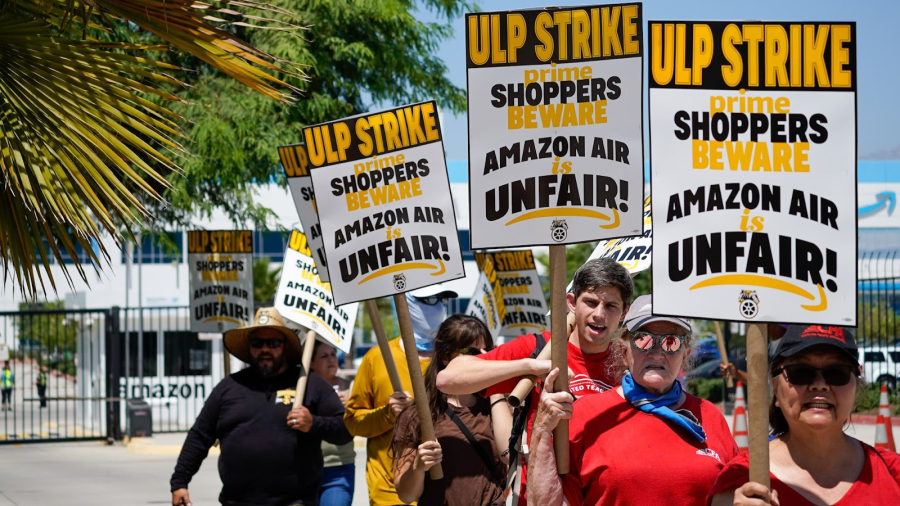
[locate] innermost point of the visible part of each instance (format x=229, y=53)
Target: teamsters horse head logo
x=559, y=230
x=399, y=282
x=749, y=303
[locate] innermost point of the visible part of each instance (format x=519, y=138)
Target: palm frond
x=81, y=146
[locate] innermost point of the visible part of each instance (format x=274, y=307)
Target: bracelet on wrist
x=503, y=399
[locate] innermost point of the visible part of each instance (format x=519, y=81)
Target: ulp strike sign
x=753, y=129
x=221, y=267
x=384, y=202
x=304, y=298
x=555, y=136
x=296, y=168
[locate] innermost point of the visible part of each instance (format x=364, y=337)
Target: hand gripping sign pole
x=722, y=352
x=373, y=250
x=305, y=360
x=559, y=347
x=420, y=396
x=525, y=384
x=381, y=337
x=757, y=401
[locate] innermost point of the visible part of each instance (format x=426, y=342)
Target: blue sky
x=877, y=51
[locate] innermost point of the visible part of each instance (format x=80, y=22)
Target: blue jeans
x=337, y=485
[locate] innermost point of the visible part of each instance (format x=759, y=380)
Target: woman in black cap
x=815, y=378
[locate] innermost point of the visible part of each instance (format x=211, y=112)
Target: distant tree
x=265, y=281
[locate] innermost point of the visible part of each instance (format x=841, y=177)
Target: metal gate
x=71, y=372
x=55, y=385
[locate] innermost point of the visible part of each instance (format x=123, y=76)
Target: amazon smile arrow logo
x=882, y=200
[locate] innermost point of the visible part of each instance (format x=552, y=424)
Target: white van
x=881, y=364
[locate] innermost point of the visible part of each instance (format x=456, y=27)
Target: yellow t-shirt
x=368, y=415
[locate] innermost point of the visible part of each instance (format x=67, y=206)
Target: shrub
x=709, y=389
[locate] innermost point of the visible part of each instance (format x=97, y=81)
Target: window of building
x=186, y=355
x=270, y=244
x=467, y=254
x=152, y=251
x=150, y=361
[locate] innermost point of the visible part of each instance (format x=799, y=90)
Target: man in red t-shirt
x=601, y=292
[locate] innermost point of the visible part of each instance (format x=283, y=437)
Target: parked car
x=361, y=350
x=881, y=364
x=706, y=349
x=706, y=370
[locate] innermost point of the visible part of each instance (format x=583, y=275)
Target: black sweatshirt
x=263, y=461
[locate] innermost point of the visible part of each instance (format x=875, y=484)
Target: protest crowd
x=589, y=408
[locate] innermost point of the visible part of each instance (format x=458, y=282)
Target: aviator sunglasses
x=645, y=341
x=272, y=343
x=431, y=300
x=836, y=375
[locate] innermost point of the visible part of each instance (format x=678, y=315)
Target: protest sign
x=633, y=253
x=296, y=168
x=384, y=202
x=753, y=129
x=526, y=308
x=487, y=302
x=303, y=298
x=555, y=133
x=221, y=275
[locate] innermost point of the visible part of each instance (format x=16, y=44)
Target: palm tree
x=85, y=136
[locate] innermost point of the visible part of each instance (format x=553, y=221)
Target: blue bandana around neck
x=658, y=405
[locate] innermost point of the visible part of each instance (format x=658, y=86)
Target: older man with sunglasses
x=646, y=441
x=271, y=451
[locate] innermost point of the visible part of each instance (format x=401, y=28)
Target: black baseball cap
x=800, y=337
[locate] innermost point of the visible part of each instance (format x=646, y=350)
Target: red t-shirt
x=622, y=456
x=591, y=377
x=877, y=484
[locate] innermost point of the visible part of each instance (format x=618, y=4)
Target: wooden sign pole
x=560, y=344
x=420, y=395
x=375, y=318
x=729, y=382
x=523, y=388
x=226, y=366
x=308, y=346
x=757, y=401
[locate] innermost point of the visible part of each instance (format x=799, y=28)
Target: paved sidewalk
x=91, y=474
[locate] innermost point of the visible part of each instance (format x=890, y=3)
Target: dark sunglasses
x=836, y=375
x=272, y=343
x=469, y=351
x=429, y=301
x=645, y=341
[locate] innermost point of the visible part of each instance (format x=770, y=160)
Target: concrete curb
x=147, y=446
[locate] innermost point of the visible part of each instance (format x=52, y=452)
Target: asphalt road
x=92, y=474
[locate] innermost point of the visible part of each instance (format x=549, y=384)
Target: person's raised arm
x=466, y=374
x=554, y=406
x=502, y=421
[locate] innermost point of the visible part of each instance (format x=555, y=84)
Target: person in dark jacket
x=271, y=452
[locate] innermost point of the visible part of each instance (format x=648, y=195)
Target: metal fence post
x=113, y=375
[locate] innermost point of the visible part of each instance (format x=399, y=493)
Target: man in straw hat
x=271, y=452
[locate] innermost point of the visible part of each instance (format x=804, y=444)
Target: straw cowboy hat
x=237, y=341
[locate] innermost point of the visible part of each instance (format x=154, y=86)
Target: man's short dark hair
x=603, y=272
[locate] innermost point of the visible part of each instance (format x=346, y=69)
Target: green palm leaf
x=82, y=144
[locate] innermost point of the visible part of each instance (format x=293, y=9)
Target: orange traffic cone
x=881, y=439
x=739, y=396
x=740, y=427
x=884, y=410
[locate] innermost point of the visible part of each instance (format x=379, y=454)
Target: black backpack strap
x=488, y=462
